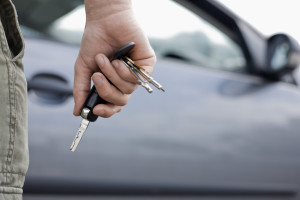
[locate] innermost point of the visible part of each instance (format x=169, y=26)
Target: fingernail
x=100, y=60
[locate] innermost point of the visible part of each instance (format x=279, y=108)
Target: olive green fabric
x=13, y=106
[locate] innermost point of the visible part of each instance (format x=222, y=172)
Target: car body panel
x=212, y=133
x=210, y=127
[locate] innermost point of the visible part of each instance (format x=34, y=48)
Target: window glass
x=173, y=30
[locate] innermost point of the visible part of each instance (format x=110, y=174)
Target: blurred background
x=227, y=126
x=269, y=17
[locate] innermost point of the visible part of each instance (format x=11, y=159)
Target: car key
x=87, y=114
x=141, y=71
x=93, y=98
x=142, y=82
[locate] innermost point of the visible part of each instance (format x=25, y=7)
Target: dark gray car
x=226, y=127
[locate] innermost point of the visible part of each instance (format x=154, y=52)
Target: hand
x=110, y=24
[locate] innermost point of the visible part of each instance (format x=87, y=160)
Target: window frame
x=251, y=41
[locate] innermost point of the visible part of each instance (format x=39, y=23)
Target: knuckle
x=126, y=74
x=128, y=90
x=123, y=101
x=104, y=90
x=106, y=115
x=105, y=93
x=119, y=109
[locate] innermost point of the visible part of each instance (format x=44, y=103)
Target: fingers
x=108, y=92
x=116, y=91
x=147, y=64
x=106, y=110
x=124, y=72
x=118, y=74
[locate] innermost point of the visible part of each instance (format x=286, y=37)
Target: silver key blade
x=150, y=79
x=83, y=126
x=140, y=70
x=143, y=83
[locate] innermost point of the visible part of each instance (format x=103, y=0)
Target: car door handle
x=49, y=87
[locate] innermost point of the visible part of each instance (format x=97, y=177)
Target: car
x=227, y=126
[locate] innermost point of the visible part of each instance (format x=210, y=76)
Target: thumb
x=81, y=86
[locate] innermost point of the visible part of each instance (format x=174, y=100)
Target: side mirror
x=283, y=55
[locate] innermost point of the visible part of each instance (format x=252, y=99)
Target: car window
x=177, y=32
x=174, y=32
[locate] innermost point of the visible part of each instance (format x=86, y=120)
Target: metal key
x=141, y=71
x=141, y=81
x=87, y=114
x=83, y=126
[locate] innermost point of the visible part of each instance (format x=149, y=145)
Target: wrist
x=97, y=10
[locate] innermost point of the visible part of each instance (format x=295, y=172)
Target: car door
x=220, y=129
